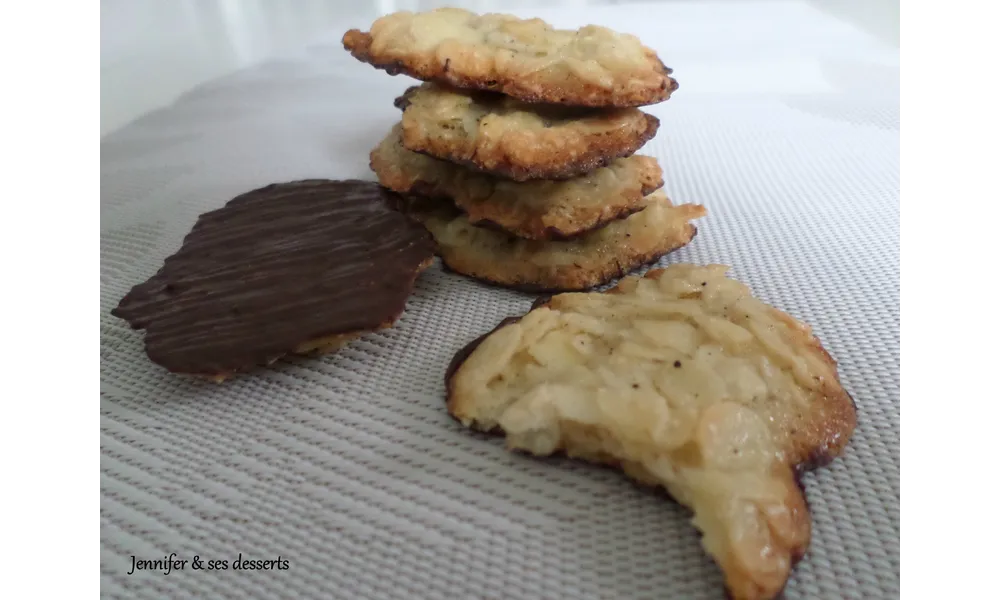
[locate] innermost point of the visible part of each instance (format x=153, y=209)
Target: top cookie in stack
x=517, y=153
x=523, y=59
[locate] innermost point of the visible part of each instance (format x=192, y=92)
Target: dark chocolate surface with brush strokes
x=275, y=268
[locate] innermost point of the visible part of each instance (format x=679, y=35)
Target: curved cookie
x=536, y=210
x=581, y=263
x=298, y=267
x=523, y=58
x=683, y=379
x=502, y=136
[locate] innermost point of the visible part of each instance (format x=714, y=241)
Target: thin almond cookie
x=292, y=268
x=684, y=380
x=526, y=59
x=584, y=262
x=502, y=136
x=534, y=210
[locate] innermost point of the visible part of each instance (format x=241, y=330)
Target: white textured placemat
x=785, y=127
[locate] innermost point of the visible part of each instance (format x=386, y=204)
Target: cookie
x=581, y=263
x=523, y=58
x=502, y=136
x=298, y=267
x=683, y=380
x=536, y=210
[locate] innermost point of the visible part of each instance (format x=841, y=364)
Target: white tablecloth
x=785, y=126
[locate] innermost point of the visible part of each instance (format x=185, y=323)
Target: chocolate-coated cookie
x=297, y=267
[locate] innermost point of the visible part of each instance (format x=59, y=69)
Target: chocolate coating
x=276, y=268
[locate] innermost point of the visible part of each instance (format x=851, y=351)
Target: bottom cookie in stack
x=579, y=263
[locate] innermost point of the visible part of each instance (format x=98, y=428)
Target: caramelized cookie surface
x=523, y=58
x=682, y=379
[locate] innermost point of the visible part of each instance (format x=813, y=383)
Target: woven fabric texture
x=785, y=126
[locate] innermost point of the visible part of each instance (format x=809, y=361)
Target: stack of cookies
x=517, y=153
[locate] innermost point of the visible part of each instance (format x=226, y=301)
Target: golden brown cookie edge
x=526, y=89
